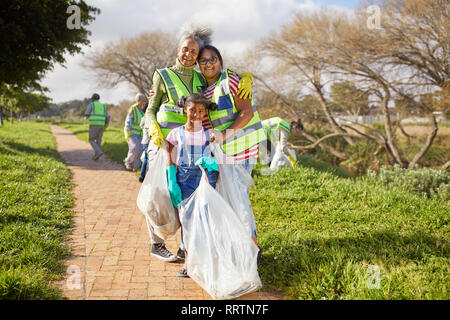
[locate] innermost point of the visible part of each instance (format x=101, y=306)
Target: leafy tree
x=35, y=35
x=22, y=102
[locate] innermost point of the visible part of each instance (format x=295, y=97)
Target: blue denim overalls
x=189, y=175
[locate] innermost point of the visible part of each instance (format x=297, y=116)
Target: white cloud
x=236, y=24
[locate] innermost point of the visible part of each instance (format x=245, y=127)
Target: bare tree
x=133, y=60
x=406, y=58
x=294, y=46
x=420, y=31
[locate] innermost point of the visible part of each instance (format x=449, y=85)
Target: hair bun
x=212, y=106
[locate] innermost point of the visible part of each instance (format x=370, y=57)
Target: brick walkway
x=110, y=243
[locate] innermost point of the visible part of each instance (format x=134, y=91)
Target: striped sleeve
x=233, y=81
x=206, y=123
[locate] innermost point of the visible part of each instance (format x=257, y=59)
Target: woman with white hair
x=163, y=115
x=133, y=133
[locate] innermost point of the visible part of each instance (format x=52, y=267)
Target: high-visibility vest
x=226, y=113
x=274, y=124
x=169, y=115
x=97, y=116
x=137, y=117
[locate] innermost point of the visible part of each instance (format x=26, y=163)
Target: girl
x=191, y=143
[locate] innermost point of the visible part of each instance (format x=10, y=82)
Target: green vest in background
x=169, y=116
x=137, y=117
x=274, y=124
x=97, y=116
x=225, y=114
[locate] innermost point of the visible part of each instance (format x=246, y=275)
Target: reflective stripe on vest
x=97, y=116
x=137, y=117
x=273, y=124
x=225, y=114
x=169, y=116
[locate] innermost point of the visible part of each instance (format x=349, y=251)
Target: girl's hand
x=216, y=136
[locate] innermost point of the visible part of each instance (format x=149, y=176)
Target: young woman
x=188, y=146
x=237, y=119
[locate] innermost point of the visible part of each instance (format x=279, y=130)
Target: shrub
x=423, y=181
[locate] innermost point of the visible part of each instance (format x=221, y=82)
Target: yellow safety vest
x=169, y=115
x=137, y=117
x=225, y=114
x=273, y=124
x=97, y=116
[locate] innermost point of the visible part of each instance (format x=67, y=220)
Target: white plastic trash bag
x=232, y=184
x=221, y=256
x=279, y=159
x=154, y=199
x=292, y=153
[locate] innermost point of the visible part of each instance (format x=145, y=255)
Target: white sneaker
x=160, y=251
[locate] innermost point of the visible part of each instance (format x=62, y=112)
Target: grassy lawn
x=34, y=212
x=329, y=237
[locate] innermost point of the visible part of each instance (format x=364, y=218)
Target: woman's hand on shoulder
x=151, y=93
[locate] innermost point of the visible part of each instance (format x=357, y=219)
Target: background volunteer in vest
x=99, y=120
x=133, y=133
x=277, y=130
x=236, y=120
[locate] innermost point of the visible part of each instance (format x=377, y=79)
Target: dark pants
x=95, y=138
x=144, y=166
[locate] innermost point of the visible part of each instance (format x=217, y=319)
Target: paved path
x=110, y=243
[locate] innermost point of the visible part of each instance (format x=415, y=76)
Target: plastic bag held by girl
x=221, y=254
x=154, y=199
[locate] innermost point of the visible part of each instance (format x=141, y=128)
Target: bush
x=423, y=181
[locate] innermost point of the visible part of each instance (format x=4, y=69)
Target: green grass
x=320, y=233
x=34, y=212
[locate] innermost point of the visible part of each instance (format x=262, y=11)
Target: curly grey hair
x=200, y=33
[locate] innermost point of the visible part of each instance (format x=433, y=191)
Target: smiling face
x=188, y=52
x=195, y=113
x=209, y=64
